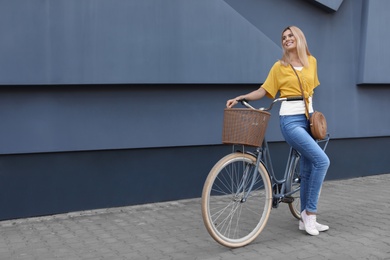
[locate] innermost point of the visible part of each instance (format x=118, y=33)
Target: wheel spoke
x=236, y=201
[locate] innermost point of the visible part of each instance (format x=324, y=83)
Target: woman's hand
x=231, y=102
x=254, y=95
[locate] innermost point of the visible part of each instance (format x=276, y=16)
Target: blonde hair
x=302, y=49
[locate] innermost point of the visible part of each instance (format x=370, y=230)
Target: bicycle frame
x=279, y=185
x=263, y=156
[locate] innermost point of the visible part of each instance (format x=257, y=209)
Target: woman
x=293, y=121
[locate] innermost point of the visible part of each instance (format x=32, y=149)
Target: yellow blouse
x=283, y=79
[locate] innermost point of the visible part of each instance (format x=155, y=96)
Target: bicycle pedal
x=287, y=199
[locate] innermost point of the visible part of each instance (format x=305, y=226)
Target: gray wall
x=100, y=80
x=149, y=43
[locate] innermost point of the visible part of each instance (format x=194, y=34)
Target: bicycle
x=241, y=188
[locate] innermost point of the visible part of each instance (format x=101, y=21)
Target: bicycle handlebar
x=245, y=102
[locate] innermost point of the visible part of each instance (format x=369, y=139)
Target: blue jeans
x=314, y=161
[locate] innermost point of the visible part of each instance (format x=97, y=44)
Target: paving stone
x=357, y=211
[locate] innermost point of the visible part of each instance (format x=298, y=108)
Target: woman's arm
x=254, y=95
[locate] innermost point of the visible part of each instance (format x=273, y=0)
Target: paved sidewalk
x=357, y=210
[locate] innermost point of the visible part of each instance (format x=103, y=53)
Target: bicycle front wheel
x=235, y=211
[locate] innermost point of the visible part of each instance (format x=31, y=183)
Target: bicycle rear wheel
x=295, y=184
x=233, y=217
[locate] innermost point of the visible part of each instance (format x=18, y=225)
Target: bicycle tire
x=295, y=183
x=229, y=220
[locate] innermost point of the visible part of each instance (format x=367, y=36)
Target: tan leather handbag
x=318, y=125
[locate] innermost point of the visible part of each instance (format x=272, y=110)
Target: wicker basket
x=244, y=126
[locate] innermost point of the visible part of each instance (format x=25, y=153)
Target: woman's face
x=288, y=40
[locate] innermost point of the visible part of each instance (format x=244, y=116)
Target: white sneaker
x=309, y=222
x=318, y=226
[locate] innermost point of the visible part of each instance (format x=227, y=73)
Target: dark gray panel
x=49, y=183
x=129, y=41
x=45, y=184
x=328, y=5
x=375, y=52
x=74, y=118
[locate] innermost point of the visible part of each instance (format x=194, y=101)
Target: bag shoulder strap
x=303, y=94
